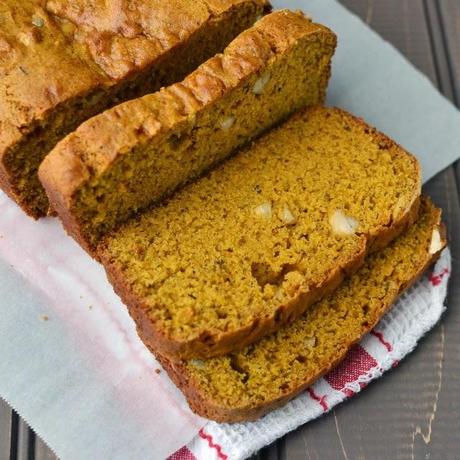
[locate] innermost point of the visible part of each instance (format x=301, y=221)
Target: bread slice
x=63, y=61
x=246, y=249
x=246, y=385
x=126, y=158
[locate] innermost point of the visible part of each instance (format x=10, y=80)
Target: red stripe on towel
x=357, y=363
x=321, y=400
x=212, y=444
x=182, y=454
x=436, y=280
x=382, y=340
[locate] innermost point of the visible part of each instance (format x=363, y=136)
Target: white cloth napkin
x=70, y=361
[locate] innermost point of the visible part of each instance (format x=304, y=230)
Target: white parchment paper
x=70, y=360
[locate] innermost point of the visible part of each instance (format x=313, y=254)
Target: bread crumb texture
x=246, y=384
x=243, y=246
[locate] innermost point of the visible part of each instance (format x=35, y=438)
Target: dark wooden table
x=414, y=412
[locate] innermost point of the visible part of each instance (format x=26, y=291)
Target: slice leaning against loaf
x=126, y=158
x=246, y=385
x=247, y=248
x=63, y=61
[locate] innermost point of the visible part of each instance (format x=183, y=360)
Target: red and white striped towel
x=416, y=312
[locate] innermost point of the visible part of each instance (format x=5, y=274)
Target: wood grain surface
x=414, y=411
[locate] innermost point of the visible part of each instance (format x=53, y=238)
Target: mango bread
x=245, y=385
x=63, y=61
x=121, y=161
x=247, y=248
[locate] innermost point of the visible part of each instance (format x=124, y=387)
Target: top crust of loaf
x=58, y=50
x=133, y=262
x=97, y=143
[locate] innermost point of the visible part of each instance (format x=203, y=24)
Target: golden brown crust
x=86, y=39
x=96, y=144
x=122, y=38
x=54, y=53
x=209, y=409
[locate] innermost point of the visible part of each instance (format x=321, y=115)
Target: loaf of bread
x=63, y=61
x=245, y=385
x=247, y=248
x=121, y=161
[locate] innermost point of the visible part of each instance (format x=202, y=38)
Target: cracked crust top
x=52, y=51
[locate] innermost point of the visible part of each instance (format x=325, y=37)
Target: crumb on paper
x=45, y=318
x=158, y=371
x=90, y=307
